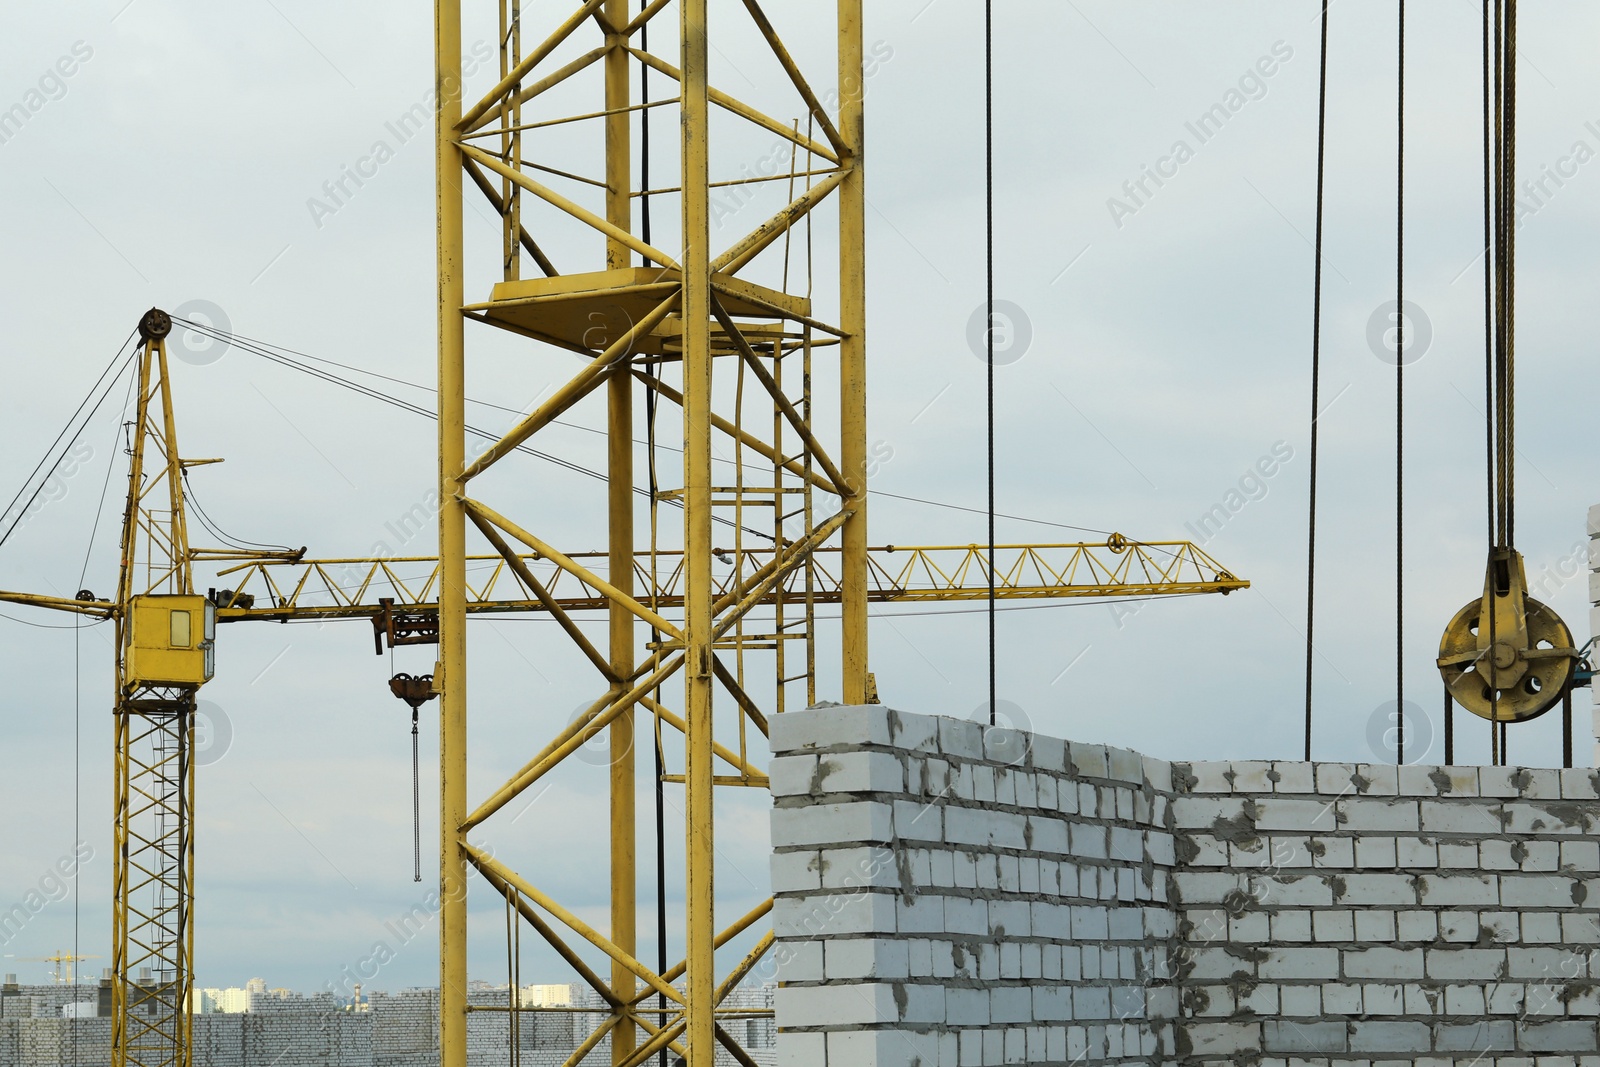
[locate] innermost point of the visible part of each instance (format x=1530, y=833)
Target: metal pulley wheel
x=1507, y=657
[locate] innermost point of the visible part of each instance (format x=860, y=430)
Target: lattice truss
x=153, y=898
x=699, y=344
x=155, y=877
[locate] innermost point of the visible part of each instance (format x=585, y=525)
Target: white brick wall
x=1594, y=612
x=1084, y=905
x=1006, y=897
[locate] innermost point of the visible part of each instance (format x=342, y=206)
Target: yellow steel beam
x=854, y=575
x=485, y=862
x=450, y=674
x=575, y=390
x=699, y=804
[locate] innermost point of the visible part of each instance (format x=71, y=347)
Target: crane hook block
x=1507, y=657
x=401, y=627
x=155, y=325
x=415, y=691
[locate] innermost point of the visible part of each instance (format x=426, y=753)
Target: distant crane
x=63, y=962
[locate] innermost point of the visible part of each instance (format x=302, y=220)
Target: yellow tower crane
x=63, y=965
x=724, y=336
x=166, y=633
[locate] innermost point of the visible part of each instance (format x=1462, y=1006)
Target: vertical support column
x=699, y=953
x=619, y=472
x=450, y=674
x=853, y=355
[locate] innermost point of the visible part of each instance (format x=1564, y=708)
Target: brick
x=833, y=915
x=859, y=772
x=1374, y=925
x=1374, y=889
x=1250, y=776
x=854, y=1004
x=1390, y=1036
x=1342, y=998
x=1437, y=890
x=853, y=959
x=1300, y=963
x=1459, y=926
x=1418, y=926
x=961, y=739
x=1412, y=853
x=859, y=867
x=820, y=824
x=1322, y=1038
x=1293, y=891
x=1580, y=783
x=1049, y=754
x=1482, y=1036
x=1295, y=778
x=1532, y=891
x=1386, y=963
x=1336, y=853
x=1571, y=1036
x=1375, y=852
x=1158, y=772
x=796, y=871
x=1376, y=779
x=1333, y=926
x=1334, y=779
x=1005, y=746
x=813, y=728
x=1222, y=1039
x=1455, y=817
x=792, y=775
x=1478, y=963
x=1496, y=782
x=1580, y=856
x=1124, y=765
x=1542, y=963
x=1377, y=814
x=1090, y=760
x=913, y=733
x=1306, y=816
x=1211, y=777
x=1538, y=817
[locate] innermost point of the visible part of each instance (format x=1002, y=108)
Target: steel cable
x=1316, y=372
x=1400, y=398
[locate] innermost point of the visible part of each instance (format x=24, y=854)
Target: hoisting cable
x=103, y=385
x=651, y=369
x=416, y=804
x=259, y=349
x=1400, y=399
x=988, y=333
x=1316, y=370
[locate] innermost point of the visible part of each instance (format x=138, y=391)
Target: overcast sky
x=182, y=162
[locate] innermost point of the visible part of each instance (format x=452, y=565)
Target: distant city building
x=545, y=996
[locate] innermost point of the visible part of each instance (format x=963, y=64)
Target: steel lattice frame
x=680, y=313
x=153, y=899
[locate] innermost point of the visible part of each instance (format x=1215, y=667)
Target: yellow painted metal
x=896, y=574
x=619, y=475
x=450, y=673
x=162, y=659
x=699, y=808
x=639, y=318
x=1507, y=657
x=853, y=354
x=169, y=641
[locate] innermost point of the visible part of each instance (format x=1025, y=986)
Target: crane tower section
x=710, y=340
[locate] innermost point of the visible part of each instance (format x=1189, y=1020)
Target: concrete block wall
x=1594, y=615
x=949, y=895
x=1336, y=911
x=954, y=896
